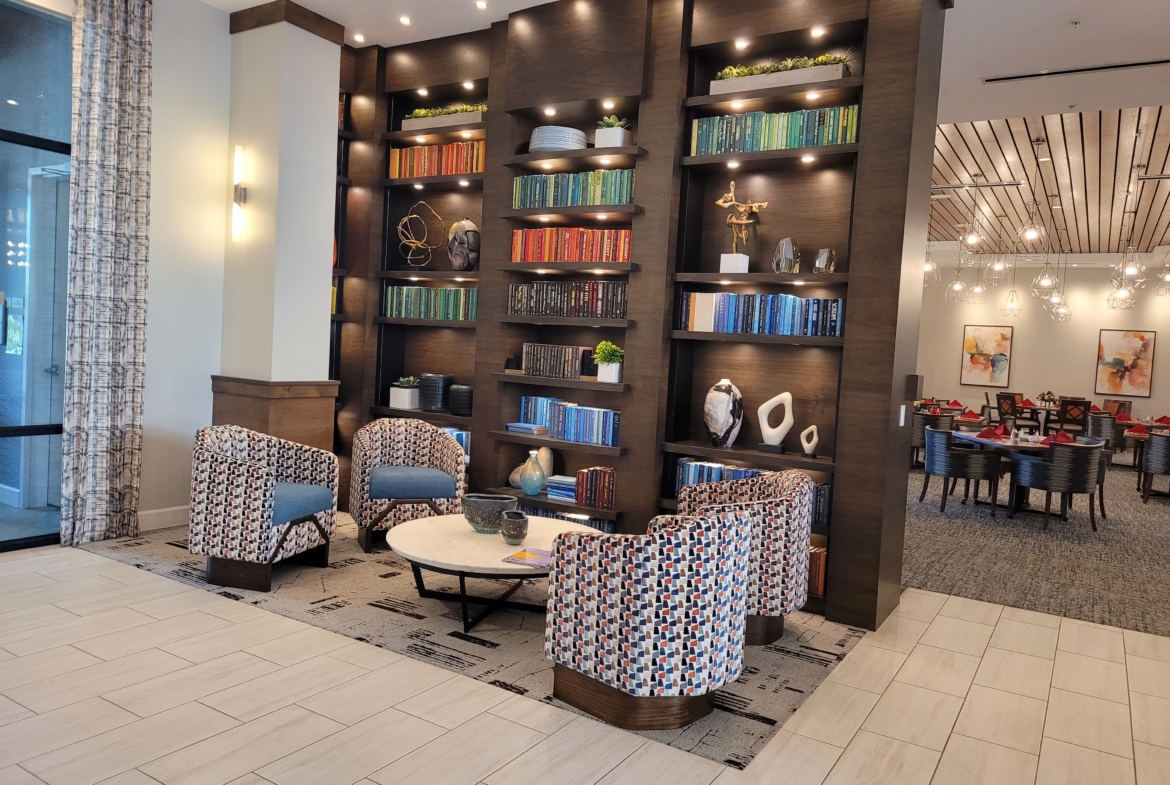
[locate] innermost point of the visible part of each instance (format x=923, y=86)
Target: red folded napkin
x=1123, y=417
x=1094, y=408
x=970, y=416
x=989, y=433
x=936, y=410
x=956, y=404
x=1001, y=430
x=1163, y=420
x=928, y=400
x=1048, y=440
x=1028, y=402
x=1064, y=438
x=1139, y=430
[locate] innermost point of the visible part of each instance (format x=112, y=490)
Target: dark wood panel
x=568, y=384
x=717, y=21
x=748, y=457
x=440, y=351
x=451, y=205
x=286, y=11
x=578, y=50
x=627, y=711
x=442, y=419
x=440, y=61
x=348, y=73
x=556, y=444
x=298, y=411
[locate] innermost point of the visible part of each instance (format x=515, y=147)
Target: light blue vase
x=532, y=476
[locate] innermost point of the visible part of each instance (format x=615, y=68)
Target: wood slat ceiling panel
x=1090, y=175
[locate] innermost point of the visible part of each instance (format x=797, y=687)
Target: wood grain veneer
x=286, y=11
x=627, y=711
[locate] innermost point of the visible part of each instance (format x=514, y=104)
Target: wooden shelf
x=343, y=134
x=338, y=317
x=833, y=92
x=447, y=133
x=452, y=324
x=668, y=504
x=439, y=418
x=429, y=275
x=545, y=503
x=340, y=272
x=772, y=279
x=783, y=340
x=443, y=182
x=820, y=529
x=772, y=159
x=577, y=160
x=745, y=455
x=572, y=384
x=615, y=214
x=555, y=444
x=564, y=321
x=568, y=268
x=344, y=180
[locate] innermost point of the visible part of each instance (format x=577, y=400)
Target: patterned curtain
x=109, y=221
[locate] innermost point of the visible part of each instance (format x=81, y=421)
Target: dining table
x=1004, y=444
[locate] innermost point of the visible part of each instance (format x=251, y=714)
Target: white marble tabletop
x=448, y=542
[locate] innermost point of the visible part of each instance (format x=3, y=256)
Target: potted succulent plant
x=404, y=393
x=612, y=132
x=442, y=116
x=790, y=71
x=609, y=358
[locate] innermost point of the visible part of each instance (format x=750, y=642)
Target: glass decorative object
x=787, y=257
x=513, y=526
x=956, y=291
x=532, y=477
x=931, y=275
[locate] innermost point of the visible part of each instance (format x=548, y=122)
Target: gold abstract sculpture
x=414, y=246
x=739, y=223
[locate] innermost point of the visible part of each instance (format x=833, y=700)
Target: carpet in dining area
x=372, y=597
x=1118, y=575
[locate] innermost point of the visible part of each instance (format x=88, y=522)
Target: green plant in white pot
x=612, y=132
x=609, y=358
x=404, y=393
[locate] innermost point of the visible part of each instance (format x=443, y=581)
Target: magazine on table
x=531, y=557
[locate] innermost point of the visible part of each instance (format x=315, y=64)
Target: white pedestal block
x=733, y=263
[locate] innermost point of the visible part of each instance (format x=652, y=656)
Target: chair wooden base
x=251, y=576
x=628, y=711
x=368, y=535
x=763, y=630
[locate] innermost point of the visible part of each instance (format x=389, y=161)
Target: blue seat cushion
x=294, y=500
x=411, y=482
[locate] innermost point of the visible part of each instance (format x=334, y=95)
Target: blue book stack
x=692, y=471
x=562, y=488
x=569, y=422
x=463, y=437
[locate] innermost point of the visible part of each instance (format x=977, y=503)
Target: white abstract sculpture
x=774, y=436
x=809, y=439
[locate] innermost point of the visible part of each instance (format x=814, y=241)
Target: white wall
x=277, y=276
x=189, y=177
x=1046, y=355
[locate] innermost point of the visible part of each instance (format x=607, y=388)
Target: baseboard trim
x=163, y=518
x=9, y=495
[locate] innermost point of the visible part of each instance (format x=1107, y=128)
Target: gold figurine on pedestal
x=739, y=223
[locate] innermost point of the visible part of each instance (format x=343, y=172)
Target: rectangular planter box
x=403, y=398
x=818, y=73
x=612, y=137
x=442, y=121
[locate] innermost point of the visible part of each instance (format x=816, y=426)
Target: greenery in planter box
x=407, y=382
x=440, y=111
x=608, y=353
x=788, y=64
x=613, y=122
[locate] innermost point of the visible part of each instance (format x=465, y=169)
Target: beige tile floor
x=115, y=676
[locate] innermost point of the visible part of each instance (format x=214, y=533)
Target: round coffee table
x=448, y=545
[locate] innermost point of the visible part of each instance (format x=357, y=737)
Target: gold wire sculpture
x=413, y=246
x=739, y=224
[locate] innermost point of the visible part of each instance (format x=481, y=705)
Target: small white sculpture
x=774, y=436
x=809, y=439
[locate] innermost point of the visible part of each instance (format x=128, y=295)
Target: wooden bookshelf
x=557, y=216
x=577, y=160
x=832, y=92
x=770, y=279
x=771, y=160
x=430, y=275
x=564, y=321
x=343, y=134
x=568, y=384
x=344, y=181
x=787, y=340
x=451, y=324
x=568, y=268
x=443, y=182
x=338, y=317
x=340, y=272
x=543, y=502
x=746, y=455
x=556, y=444
x=437, y=418
x=476, y=132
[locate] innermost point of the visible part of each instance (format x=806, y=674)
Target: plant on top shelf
x=441, y=111
x=787, y=64
x=790, y=71
x=612, y=132
x=443, y=116
x=609, y=358
x=404, y=393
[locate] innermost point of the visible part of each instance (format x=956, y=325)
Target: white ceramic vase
x=723, y=413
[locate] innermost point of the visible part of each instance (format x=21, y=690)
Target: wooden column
x=298, y=411
x=891, y=207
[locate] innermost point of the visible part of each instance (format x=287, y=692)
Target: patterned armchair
x=257, y=500
x=402, y=470
x=643, y=629
x=780, y=505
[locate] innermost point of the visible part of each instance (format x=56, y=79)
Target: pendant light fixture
x=1122, y=298
x=1060, y=310
x=1033, y=231
x=956, y=291
x=931, y=275
x=1163, y=287
x=1046, y=282
x=999, y=272
x=977, y=294
x=1012, y=306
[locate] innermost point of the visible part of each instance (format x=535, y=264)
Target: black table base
x=464, y=599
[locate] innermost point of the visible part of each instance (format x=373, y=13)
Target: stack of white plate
x=550, y=138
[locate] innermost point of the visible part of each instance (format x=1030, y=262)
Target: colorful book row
x=604, y=186
x=555, y=361
x=692, y=471
x=437, y=159
x=761, y=314
x=597, y=487
x=424, y=302
x=596, y=299
x=570, y=422
x=570, y=245
x=755, y=132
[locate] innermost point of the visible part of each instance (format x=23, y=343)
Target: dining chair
x=1123, y=442
x=988, y=409
x=1156, y=462
x=1102, y=426
x=1072, y=417
x=1103, y=470
x=944, y=460
x=1010, y=414
x=1116, y=407
x=1066, y=470
x=919, y=423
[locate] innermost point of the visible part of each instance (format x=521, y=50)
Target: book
x=601, y=187
x=552, y=244
x=427, y=302
x=437, y=159
x=530, y=557
x=528, y=428
x=761, y=314
x=755, y=132
x=596, y=299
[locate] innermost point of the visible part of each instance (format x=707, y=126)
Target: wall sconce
x=239, y=194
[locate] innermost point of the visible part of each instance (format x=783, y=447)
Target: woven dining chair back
x=1116, y=407
x=1074, y=468
x=923, y=420
x=1074, y=412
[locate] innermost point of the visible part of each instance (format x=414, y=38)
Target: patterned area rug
x=372, y=598
x=1118, y=575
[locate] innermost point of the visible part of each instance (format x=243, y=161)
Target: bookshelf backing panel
x=723, y=21
x=440, y=61
x=452, y=205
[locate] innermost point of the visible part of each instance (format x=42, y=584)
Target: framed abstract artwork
x=987, y=355
x=1125, y=362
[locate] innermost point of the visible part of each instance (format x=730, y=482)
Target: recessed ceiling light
x=808, y=159
x=12, y=101
x=414, y=278
x=420, y=139
x=607, y=104
x=418, y=186
x=465, y=183
x=404, y=20
x=606, y=162
x=466, y=134
x=817, y=31
x=469, y=85
x=602, y=216
x=737, y=104
x=361, y=39
x=798, y=283
x=546, y=165
x=812, y=96
x=548, y=110
x=1045, y=158
x=599, y=272
x=423, y=91
x=544, y=218
x=725, y=283
x=481, y=5
x=733, y=164
x=741, y=43
x=458, y=280
x=542, y=272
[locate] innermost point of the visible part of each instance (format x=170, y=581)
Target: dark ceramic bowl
x=483, y=510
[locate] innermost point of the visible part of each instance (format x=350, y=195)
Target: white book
x=704, y=312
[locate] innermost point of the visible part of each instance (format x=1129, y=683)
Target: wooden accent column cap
x=301, y=412
x=286, y=11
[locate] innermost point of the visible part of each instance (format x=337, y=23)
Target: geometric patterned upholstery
x=234, y=473
x=402, y=442
x=781, y=507
x=660, y=614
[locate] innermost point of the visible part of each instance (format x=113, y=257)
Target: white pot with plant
x=612, y=132
x=609, y=358
x=790, y=71
x=442, y=116
x=404, y=393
